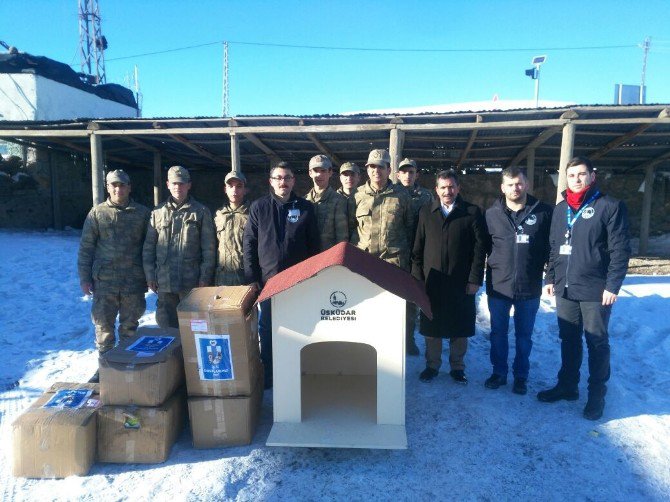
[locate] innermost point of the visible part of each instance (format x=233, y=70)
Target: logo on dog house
x=338, y=328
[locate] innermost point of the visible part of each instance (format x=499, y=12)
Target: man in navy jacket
x=281, y=231
x=518, y=228
x=587, y=265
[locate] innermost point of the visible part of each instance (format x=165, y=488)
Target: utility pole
x=138, y=93
x=92, y=43
x=225, y=97
x=645, y=48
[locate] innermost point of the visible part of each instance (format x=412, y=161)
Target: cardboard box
x=143, y=370
x=219, y=336
x=140, y=434
x=57, y=441
x=225, y=421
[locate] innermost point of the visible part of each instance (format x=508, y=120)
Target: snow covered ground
x=465, y=442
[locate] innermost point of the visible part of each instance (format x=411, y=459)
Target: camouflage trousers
x=411, y=313
x=129, y=308
x=229, y=277
x=166, y=309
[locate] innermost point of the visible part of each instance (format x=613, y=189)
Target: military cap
x=407, y=163
x=349, y=166
x=118, y=176
x=320, y=161
x=235, y=175
x=378, y=157
x=179, y=174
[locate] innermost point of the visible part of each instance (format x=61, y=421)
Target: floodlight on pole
x=534, y=73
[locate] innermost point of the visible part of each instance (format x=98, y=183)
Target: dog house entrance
x=338, y=384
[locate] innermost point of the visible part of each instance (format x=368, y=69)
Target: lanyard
x=571, y=222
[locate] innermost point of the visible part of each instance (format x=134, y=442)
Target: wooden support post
x=646, y=209
x=236, y=164
x=158, y=181
x=396, y=142
x=567, y=148
x=530, y=169
x=55, y=193
x=97, y=170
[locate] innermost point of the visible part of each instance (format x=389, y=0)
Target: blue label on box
x=149, y=345
x=215, y=361
x=69, y=398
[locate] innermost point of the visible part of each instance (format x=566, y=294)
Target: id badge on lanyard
x=566, y=249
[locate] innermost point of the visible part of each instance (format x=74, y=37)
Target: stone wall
x=25, y=205
x=26, y=197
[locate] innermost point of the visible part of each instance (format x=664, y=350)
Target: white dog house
x=338, y=325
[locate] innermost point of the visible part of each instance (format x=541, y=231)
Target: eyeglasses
x=282, y=178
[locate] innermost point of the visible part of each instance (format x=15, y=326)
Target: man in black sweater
x=518, y=228
x=587, y=265
x=281, y=231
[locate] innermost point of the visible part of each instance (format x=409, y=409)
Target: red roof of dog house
x=383, y=274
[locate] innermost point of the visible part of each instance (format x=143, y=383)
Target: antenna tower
x=645, y=48
x=226, y=98
x=92, y=43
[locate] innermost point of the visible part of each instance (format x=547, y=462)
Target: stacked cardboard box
x=56, y=436
x=143, y=404
x=224, y=375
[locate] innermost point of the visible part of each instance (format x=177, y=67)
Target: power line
x=377, y=49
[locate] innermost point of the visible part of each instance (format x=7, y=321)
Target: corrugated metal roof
x=495, y=137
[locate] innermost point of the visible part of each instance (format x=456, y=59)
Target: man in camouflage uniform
x=381, y=218
x=407, y=177
x=331, y=207
x=229, y=222
x=110, y=261
x=350, y=177
x=180, y=248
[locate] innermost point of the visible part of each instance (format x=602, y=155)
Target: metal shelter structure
x=618, y=139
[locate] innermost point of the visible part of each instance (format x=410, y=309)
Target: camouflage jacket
x=420, y=197
x=382, y=223
x=110, y=251
x=331, y=216
x=180, y=247
x=343, y=193
x=229, y=225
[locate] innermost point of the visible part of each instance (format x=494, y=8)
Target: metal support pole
x=55, y=193
x=396, y=143
x=530, y=169
x=97, y=170
x=537, y=88
x=567, y=148
x=236, y=164
x=158, y=182
x=646, y=209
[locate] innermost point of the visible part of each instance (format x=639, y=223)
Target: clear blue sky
x=274, y=80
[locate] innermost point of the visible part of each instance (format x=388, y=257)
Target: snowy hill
x=465, y=442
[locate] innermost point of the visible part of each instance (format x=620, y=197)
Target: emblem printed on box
x=147, y=346
x=215, y=361
x=69, y=398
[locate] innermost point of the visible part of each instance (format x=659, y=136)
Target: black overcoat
x=448, y=253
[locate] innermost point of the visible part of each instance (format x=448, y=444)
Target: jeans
x=524, y=320
x=592, y=318
x=265, y=335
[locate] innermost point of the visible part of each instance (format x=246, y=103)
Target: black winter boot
x=594, y=406
x=557, y=393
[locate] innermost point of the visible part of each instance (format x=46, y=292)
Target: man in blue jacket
x=281, y=231
x=587, y=265
x=518, y=228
